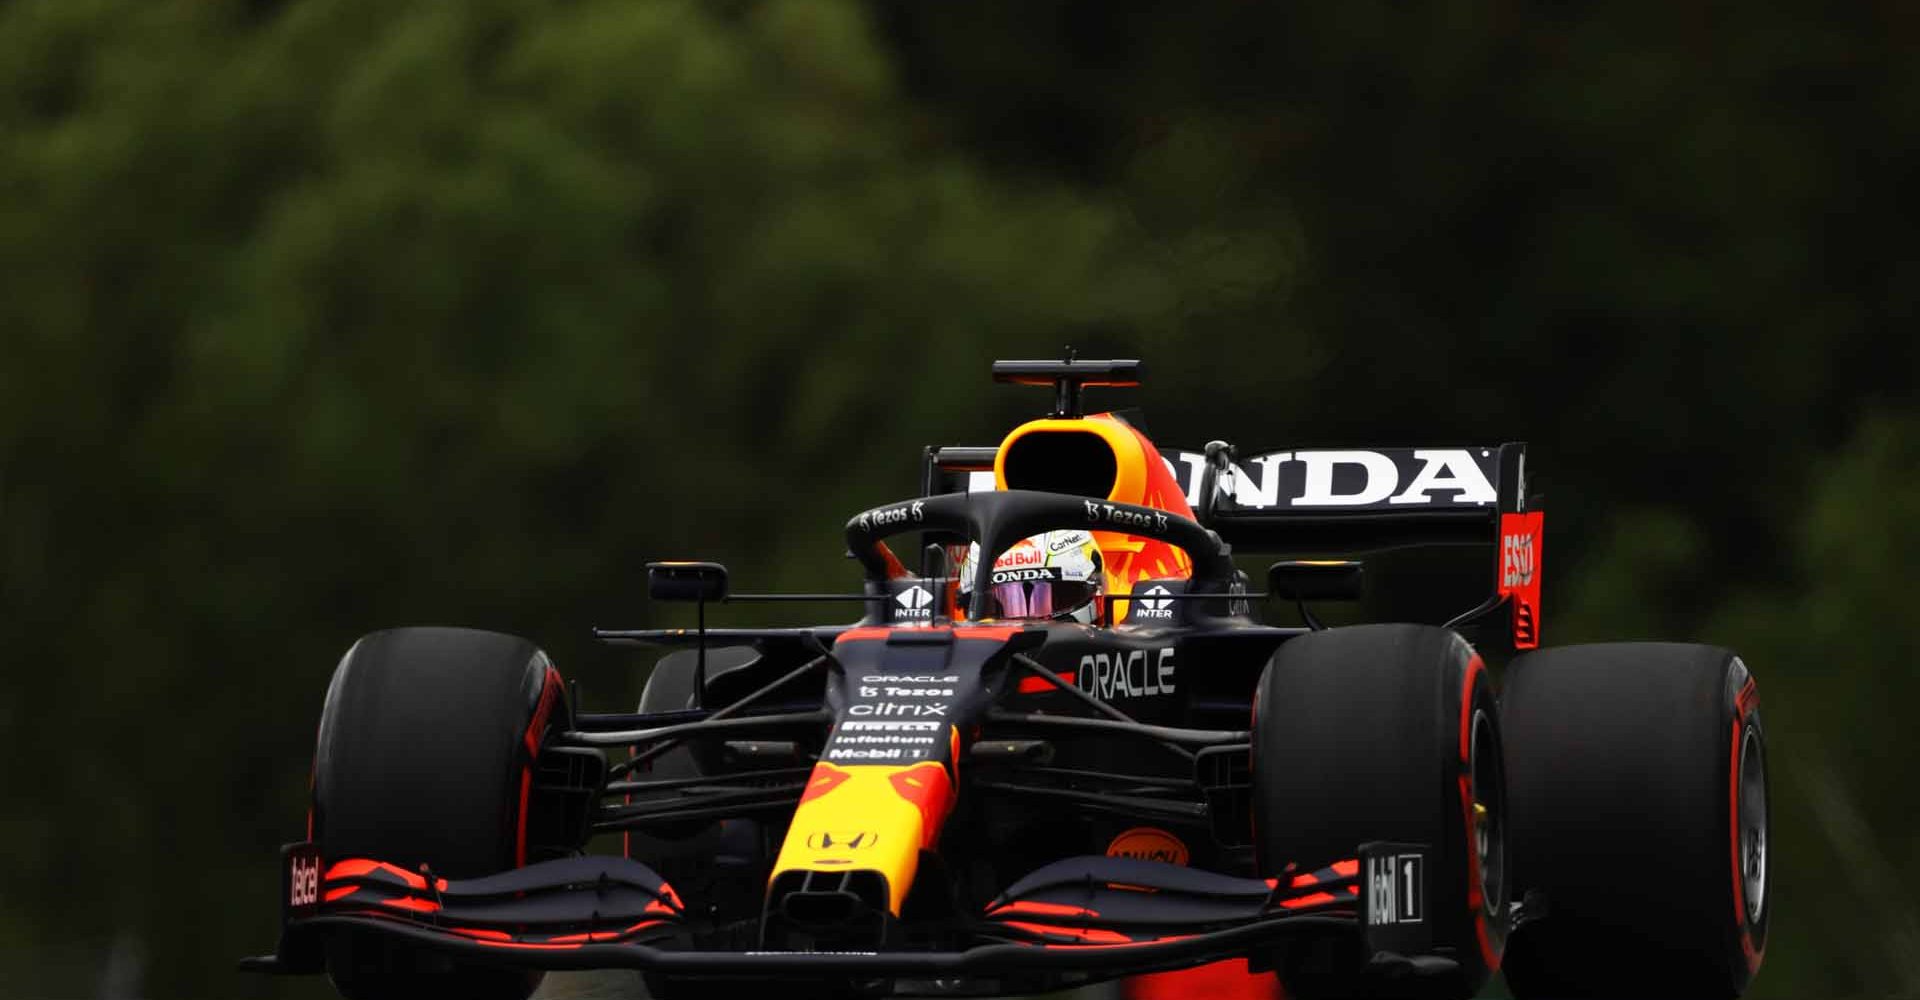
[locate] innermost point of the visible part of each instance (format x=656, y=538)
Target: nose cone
x=865, y=818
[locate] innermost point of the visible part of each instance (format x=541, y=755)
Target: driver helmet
x=1055, y=575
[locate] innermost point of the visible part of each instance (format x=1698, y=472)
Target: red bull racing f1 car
x=1062, y=748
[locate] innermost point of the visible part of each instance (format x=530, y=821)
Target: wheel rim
x=1487, y=812
x=1753, y=824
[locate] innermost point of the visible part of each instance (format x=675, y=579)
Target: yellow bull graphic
x=868, y=817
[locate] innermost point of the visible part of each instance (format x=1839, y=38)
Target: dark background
x=326, y=316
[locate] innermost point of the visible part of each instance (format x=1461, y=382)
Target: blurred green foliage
x=326, y=316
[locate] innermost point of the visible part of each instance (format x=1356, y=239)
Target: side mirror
x=686, y=581
x=1316, y=580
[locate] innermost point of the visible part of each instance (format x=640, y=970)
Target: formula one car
x=1061, y=750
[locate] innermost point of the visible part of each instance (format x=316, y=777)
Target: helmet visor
x=1038, y=599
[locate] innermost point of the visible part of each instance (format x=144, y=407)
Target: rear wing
x=1345, y=500
x=1354, y=501
x=1321, y=502
x=1328, y=502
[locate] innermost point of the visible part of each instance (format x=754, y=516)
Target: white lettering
x=1516, y=560
x=1381, y=907
x=888, y=708
x=893, y=754
x=1318, y=491
x=1153, y=604
x=880, y=516
x=304, y=882
x=1461, y=474
x=1265, y=490
x=1150, y=519
x=1134, y=674
x=868, y=739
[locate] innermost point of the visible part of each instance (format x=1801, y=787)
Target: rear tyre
x=1640, y=818
x=1385, y=732
x=424, y=755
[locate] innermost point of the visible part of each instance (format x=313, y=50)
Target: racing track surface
x=608, y=984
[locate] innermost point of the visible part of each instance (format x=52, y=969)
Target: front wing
x=1099, y=917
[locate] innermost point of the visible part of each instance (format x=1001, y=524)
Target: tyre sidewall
x=1747, y=944
x=1362, y=734
x=1479, y=929
x=425, y=748
x=1626, y=762
x=424, y=758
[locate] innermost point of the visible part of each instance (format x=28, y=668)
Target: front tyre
x=1640, y=820
x=1386, y=732
x=424, y=758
